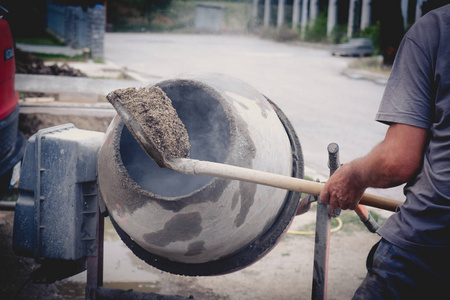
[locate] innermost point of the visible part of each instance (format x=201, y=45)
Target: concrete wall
x=77, y=28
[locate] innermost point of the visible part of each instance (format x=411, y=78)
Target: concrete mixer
x=190, y=225
x=199, y=225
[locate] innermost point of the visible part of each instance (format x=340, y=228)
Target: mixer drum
x=199, y=225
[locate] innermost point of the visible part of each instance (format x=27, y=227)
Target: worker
x=412, y=259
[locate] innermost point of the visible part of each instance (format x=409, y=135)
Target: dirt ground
x=14, y=269
x=285, y=273
x=29, y=124
x=27, y=63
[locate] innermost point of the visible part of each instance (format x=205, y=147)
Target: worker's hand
x=343, y=189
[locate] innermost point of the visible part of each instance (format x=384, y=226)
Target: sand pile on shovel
x=158, y=120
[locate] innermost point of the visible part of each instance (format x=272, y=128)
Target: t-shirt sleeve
x=408, y=93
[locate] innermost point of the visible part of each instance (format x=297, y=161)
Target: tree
x=145, y=7
x=391, y=28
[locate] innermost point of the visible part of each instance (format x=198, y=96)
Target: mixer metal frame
x=322, y=236
x=96, y=291
x=94, y=282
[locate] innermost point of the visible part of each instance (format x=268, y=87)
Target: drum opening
x=208, y=127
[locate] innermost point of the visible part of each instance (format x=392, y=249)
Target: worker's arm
x=392, y=162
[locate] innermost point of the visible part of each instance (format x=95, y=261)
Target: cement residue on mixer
x=153, y=110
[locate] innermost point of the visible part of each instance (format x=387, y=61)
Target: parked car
x=354, y=47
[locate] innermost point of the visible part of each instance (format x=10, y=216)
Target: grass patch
x=349, y=218
x=11, y=195
x=39, y=41
x=180, y=17
x=353, y=223
x=45, y=39
x=60, y=57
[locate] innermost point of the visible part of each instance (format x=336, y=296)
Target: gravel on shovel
x=159, y=120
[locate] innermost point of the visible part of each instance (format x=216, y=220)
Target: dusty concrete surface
x=285, y=273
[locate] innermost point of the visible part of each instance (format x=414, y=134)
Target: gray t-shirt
x=418, y=94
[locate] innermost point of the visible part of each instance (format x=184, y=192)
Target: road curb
x=365, y=75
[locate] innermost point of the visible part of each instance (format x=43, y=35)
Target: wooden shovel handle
x=197, y=167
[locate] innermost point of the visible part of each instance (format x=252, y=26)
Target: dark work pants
x=393, y=273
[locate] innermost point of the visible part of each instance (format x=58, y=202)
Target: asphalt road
x=323, y=105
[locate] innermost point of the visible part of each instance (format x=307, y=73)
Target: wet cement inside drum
x=209, y=136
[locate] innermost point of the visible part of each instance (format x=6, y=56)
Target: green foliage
x=11, y=195
x=145, y=7
x=352, y=222
x=318, y=32
x=59, y=57
x=135, y=15
x=179, y=16
x=45, y=39
x=283, y=34
x=339, y=34
x=372, y=32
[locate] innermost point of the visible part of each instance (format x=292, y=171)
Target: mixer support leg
x=95, y=263
x=322, y=240
x=94, y=285
x=321, y=252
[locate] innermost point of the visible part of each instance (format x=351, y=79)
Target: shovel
x=166, y=156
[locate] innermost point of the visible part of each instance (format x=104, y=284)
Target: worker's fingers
x=341, y=191
x=343, y=199
x=324, y=195
x=353, y=205
x=329, y=197
x=332, y=211
x=343, y=205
